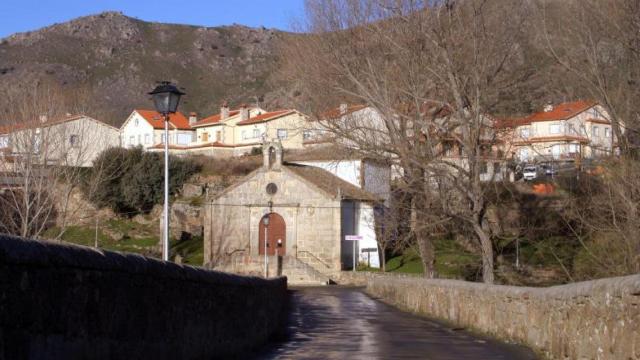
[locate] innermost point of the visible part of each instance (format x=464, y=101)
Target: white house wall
x=347, y=170
x=138, y=132
x=366, y=229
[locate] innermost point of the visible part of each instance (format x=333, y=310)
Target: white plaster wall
x=377, y=179
x=137, y=127
x=366, y=229
x=347, y=170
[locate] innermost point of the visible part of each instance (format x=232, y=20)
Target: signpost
x=369, y=251
x=355, y=239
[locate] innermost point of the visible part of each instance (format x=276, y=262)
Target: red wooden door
x=276, y=235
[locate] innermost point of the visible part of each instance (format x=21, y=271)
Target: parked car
x=530, y=172
x=549, y=170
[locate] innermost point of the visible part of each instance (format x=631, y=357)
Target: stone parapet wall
x=71, y=302
x=597, y=319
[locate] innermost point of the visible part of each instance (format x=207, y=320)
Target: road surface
x=333, y=322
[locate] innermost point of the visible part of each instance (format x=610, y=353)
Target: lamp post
x=166, y=98
x=265, y=221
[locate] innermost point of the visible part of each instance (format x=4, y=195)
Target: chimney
x=193, y=118
x=343, y=108
x=548, y=107
x=224, y=111
x=244, y=112
x=43, y=118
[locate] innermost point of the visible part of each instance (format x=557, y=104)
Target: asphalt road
x=334, y=322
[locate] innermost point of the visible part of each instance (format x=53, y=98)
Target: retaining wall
x=597, y=319
x=71, y=302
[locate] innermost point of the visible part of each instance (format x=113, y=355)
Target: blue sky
x=27, y=15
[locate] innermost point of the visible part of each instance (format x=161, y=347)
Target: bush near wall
x=132, y=180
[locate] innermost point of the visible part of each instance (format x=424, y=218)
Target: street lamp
x=166, y=98
x=265, y=221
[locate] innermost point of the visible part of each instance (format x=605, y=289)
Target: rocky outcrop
x=92, y=52
x=186, y=220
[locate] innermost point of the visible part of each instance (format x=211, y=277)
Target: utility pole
x=265, y=222
x=96, y=238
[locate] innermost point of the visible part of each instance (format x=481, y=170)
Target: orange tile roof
x=40, y=124
x=336, y=113
x=154, y=118
x=214, y=119
x=562, y=111
x=265, y=117
x=216, y=144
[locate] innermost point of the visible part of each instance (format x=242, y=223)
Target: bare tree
x=46, y=152
x=431, y=72
x=597, y=42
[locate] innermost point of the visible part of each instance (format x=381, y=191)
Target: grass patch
x=452, y=261
x=138, y=238
x=191, y=250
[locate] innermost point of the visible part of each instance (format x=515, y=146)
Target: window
x=132, y=140
x=483, y=167
x=139, y=139
x=184, y=139
x=73, y=141
x=524, y=154
x=282, y=134
x=136, y=122
x=4, y=141
x=524, y=132
x=573, y=148
x=583, y=130
x=607, y=132
x=244, y=135
x=306, y=134
x=595, y=131
x=162, y=139
x=256, y=133
x=556, y=150
x=555, y=129
x=497, y=168
x=147, y=139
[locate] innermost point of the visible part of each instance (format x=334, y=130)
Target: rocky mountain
x=116, y=60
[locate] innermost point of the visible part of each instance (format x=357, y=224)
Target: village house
x=362, y=124
x=567, y=131
x=309, y=211
x=72, y=140
x=146, y=128
x=235, y=132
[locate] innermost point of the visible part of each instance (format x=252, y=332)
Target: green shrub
x=132, y=180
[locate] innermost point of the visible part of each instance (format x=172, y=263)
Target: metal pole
x=518, y=253
x=165, y=226
x=354, y=255
x=96, y=238
x=266, y=260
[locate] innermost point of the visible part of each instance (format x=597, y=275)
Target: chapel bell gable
x=272, y=155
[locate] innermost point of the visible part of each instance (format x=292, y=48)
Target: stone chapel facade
x=309, y=212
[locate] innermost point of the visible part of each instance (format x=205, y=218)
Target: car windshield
x=530, y=169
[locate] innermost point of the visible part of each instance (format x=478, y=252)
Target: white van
x=530, y=172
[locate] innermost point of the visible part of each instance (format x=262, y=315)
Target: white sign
x=353, y=237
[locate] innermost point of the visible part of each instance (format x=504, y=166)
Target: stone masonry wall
x=312, y=218
x=71, y=302
x=597, y=319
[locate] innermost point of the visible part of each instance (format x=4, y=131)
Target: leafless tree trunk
x=431, y=73
x=43, y=162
